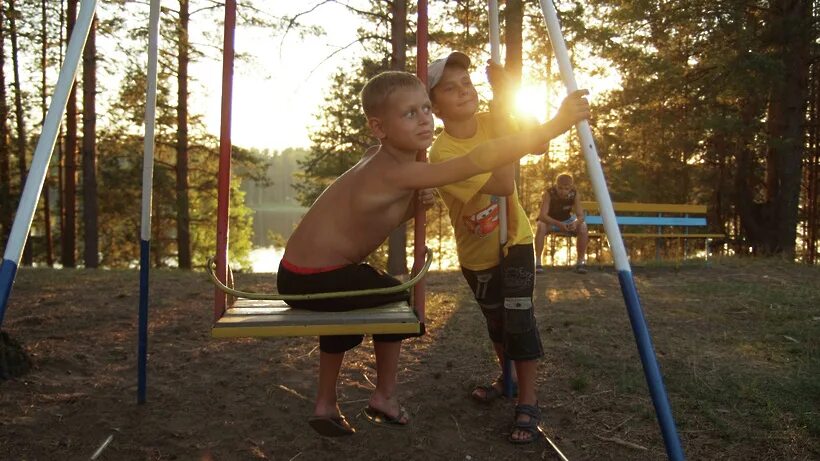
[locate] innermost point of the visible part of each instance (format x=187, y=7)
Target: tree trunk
x=90, y=208
x=812, y=166
x=5, y=154
x=397, y=242
x=183, y=211
x=18, y=113
x=513, y=63
x=43, y=110
x=787, y=122
x=70, y=157
x=513, y=33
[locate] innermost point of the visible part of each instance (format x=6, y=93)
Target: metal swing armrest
x=211, y=267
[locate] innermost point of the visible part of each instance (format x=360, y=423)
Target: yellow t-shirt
x=474, y=215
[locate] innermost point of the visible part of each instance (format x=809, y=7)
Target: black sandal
x=530, y=426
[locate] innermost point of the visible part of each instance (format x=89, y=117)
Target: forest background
x=712, y=102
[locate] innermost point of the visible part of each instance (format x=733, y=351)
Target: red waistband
x=309, y=270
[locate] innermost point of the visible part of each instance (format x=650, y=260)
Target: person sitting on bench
x=558, y=204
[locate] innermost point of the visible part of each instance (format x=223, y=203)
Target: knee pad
x=521, y=338
x=494, y=315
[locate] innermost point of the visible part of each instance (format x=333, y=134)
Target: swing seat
x=266, y=318
x=266, y=314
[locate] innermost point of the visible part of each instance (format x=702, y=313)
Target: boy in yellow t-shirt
x=503, y=288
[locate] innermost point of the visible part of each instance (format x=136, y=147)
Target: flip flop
x=331, y=426
x=380, y=418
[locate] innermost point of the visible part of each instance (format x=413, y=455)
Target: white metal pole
x=150, y=121
x=42, y=153
x=495, y=56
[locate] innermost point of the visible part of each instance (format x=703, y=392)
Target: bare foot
x=389, y=407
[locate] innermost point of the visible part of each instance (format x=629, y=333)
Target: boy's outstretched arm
x=502, y=180
x=492, y=154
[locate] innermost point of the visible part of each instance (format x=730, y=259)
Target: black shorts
x=504, y=293
x=347, y=278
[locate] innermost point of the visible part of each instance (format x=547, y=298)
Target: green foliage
x=699, y=83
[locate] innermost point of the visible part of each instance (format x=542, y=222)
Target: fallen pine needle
x=102, y=447
x=368, y=380
x=621, y=442
x=458, y=427
x=287, y=389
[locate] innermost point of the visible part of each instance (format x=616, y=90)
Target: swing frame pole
x=420, y=223
x=38, y=170
x=495, y=57
x=640, y=330
x=224, y=175
x=147, y=192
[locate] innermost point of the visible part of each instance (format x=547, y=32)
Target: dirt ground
x=249, y=399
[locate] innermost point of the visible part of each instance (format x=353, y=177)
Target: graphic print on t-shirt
x=485, y=221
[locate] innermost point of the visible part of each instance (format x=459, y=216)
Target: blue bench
x=655, y=220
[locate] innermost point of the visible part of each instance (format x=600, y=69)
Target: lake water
x=266, y=259
x=269, y=225
x=279, y=220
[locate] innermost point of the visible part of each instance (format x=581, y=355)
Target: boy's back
x=351, y=218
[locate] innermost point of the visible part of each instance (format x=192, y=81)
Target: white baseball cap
x=436, y=68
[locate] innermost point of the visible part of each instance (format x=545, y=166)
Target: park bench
x=657, y=221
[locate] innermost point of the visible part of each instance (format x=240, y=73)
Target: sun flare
x=531, y=102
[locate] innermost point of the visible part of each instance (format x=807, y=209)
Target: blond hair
x=379, y=88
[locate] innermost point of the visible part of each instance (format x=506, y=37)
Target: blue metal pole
x=8, y=269
x=42, y=153
x=142, y=342
x=644, y=342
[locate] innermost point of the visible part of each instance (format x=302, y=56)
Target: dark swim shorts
x=293, y=280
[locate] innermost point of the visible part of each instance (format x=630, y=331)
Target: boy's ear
x=376, y=126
